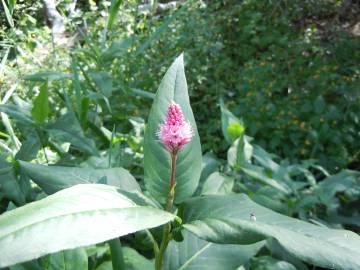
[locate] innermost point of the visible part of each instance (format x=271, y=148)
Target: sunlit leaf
x=78, y=216
x=156, y=158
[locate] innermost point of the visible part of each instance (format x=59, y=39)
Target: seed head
x=175, y=132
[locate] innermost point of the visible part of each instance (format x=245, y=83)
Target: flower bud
x=175, y=132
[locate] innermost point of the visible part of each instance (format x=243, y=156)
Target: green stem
x=117, y=257
x=155, y=244
x=166, y=236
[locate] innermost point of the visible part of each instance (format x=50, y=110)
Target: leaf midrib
x=186, y=263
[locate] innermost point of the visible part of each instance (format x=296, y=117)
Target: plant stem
x=166, y=236
x=170, y=201
x=117, y=257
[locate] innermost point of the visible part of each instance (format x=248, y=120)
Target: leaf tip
x=180, y=59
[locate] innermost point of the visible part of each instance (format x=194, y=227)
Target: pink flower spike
x=175, y=132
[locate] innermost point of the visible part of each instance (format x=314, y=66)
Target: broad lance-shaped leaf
x=156, y=159
x=78, y=216
x=54, y=178
x=228, y=219
x=194, y=253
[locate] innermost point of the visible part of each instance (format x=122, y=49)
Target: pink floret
x=175, y=132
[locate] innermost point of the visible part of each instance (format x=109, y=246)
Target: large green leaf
x=54, y=178
x=74, y=259
x=156, y=159
x=78, y=216
x=228, y=219
x=194, y=253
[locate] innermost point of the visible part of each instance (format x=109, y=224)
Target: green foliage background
x=288, y=68
x=285, y=73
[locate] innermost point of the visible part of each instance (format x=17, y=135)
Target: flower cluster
x=175, y=132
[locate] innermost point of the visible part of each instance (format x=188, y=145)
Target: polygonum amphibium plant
x=223, y=230
x=174, y=133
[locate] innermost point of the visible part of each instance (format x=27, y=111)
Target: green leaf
x=11, y=4
x=114, y=8
x=54, y=178
x=105, y=266
x=258, y=173
x=142, y=93
x=78, y=216
x=240, y=152
x=47, y=76
x=40, y=110
x=227, y=219
x=194, y=253
x=156, y=158
x=18, y=113
x=68, y=129
x=75, y=259
x=117, y=49
x=264, y=158
x=135, y=261
x=8, y=14
x=29, y=148
x=103, y=81
x=209, y=165
x=32, y=265
x=84, y=108
x=269, y=263
x=340, y=182
x=9, y=184
x=218, y=183
x=76, y=85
